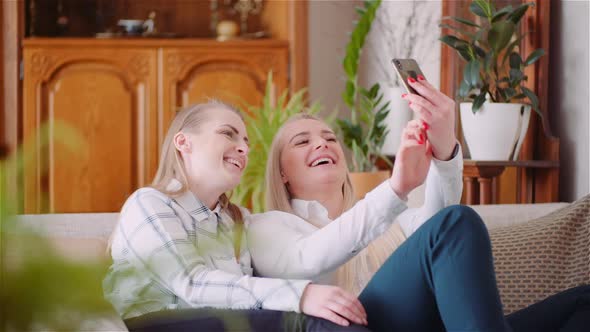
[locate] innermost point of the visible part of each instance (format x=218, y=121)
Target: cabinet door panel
x=103, y=96
x=229, y=73
x=101, y=173
x=238, y=87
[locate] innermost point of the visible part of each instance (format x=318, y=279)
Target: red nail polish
x=411, y=79
x=404, y=95
x=409, y=103
x=426, y=126
x=421, y=78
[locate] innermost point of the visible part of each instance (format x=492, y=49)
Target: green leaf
x=479, y=35
x=481, y=8
x=452, y=41
x=487, y=62
x=348, y=94
x=501, y=13
x=519, y=12
x=464, y=89
x=512, y=45
x=479, y=51
x=479, y=100
x=516, y=75
x=509, y=93
x=466, y=52
x=459, y=30
x=349, y=66
x=532, y=97
x=471, y=73
x=374, y=90
x=515, y=60
x=534, y=56
x=519, y=96
x=500, y=35
x=462, y=20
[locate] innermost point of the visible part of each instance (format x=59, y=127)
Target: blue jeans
x=442, y=279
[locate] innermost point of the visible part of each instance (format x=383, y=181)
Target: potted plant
x=263, y=122
x=364, y=133
x=494, y=114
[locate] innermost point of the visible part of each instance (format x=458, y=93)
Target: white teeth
x=318, y=161
x=234, y=161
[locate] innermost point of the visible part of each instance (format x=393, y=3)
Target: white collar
x=312, y=211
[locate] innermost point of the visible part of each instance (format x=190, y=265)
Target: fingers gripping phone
x=406, y=68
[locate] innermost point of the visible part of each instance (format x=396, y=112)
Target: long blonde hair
x=356, y=273
x=171, y=165
x=277, y=193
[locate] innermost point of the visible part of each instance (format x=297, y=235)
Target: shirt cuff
x=299, y=286
x=448, y=167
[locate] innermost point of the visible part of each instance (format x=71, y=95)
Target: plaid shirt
x=176, y=253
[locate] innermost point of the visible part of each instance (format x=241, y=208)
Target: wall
x=569, y=94
x=401, y=29
x=330, y=22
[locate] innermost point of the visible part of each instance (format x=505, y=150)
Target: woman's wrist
x=447, y=152
x=396, y=187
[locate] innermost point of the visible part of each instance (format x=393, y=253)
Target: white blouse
x=309, y=245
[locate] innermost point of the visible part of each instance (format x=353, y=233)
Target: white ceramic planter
x=399, y=114
x=496, y=131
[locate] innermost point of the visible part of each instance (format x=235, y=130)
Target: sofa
x=84, y=237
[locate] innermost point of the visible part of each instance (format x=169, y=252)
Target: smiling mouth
x=322, y=161
x=234, y=162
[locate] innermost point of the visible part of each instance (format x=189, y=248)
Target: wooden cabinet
x=120, y=96
x=235, y=73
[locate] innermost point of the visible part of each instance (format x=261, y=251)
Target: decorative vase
x=399, y=114
x=363, y=182
x=496, y=130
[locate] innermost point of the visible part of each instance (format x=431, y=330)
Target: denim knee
x=462, y=219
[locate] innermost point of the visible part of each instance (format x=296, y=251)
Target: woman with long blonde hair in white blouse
x=441, y=278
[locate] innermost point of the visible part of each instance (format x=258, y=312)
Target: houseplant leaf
x=462, y=20
x=471, y=73
x=481, y=8
x=519, y=12
x=452, y=41
x=464, y=89
x=515, y=60
x=459, y=30
x=501, y=13
x=479, y=100
x=533, y=98
x=500, y=34
x=538, y=53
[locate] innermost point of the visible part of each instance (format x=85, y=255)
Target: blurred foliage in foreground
x=39, y=289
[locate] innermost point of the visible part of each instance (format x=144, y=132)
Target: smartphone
x=406, y=68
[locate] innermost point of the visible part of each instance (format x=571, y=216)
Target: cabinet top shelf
x=151, y=42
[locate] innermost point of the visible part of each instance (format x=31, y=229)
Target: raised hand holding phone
x=435, y=109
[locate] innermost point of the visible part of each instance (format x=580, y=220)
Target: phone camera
x=399, y=65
